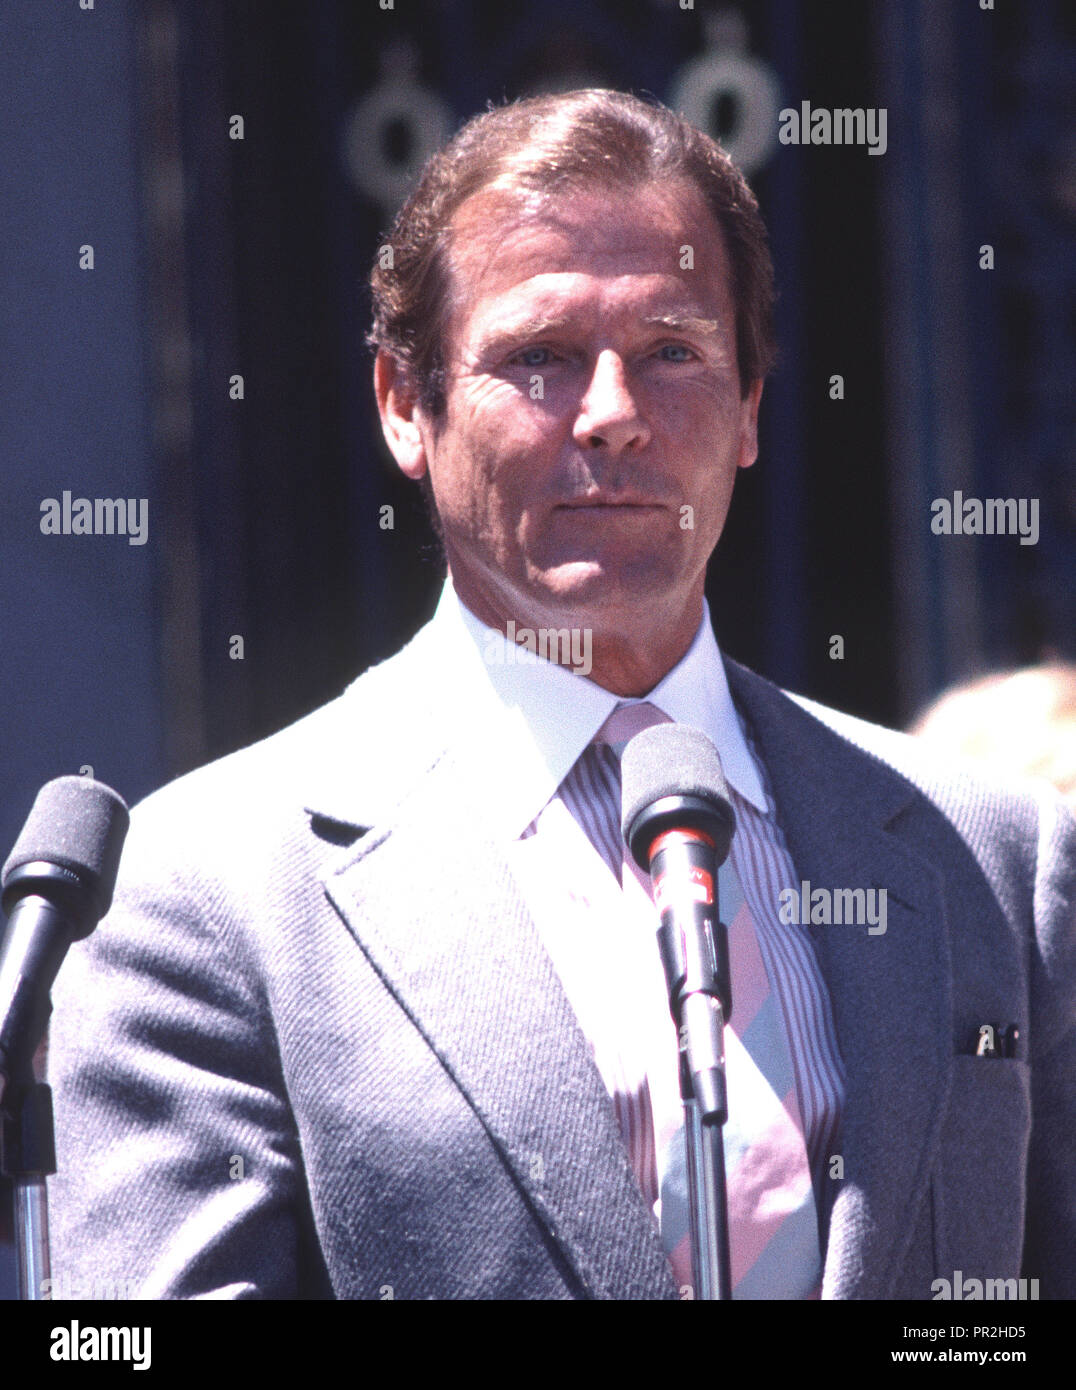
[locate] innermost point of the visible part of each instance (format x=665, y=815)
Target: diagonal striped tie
x=773, y=1229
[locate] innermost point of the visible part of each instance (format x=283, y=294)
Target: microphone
x=678, y=824
x=56, y=886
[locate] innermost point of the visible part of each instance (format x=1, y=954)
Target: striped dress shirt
x=567, y=859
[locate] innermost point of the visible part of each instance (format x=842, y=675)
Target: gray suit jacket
x=317, y=1049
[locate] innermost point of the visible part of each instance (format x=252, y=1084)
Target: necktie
x=773, y=1230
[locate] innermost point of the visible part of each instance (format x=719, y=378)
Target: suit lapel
x=890, y=992
x=433, y=903
x=431, y=900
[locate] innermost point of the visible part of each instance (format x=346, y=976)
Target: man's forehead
x=528, y=253
x=496, y=221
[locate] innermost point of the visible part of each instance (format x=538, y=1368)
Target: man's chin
x=590, y=585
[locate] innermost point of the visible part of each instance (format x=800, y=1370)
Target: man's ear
x=749, y=425
x=397, y=404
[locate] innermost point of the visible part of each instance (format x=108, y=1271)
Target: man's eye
x=670, y=350
x=533, y=357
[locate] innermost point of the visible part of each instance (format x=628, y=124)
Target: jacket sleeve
x=179, y=1173
x=1050, y=1241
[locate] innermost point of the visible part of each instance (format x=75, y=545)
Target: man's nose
x=609, y=415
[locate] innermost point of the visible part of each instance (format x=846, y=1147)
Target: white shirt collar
x=527, y=720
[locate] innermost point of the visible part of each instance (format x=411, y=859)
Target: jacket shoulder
x=343, y=763
x=1020, y=831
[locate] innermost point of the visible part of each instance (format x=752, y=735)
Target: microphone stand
x=710, y=1265
x=692, y=968
x=678, y=824
x=56, y=885
x=28, y=1157
x=27, y=1135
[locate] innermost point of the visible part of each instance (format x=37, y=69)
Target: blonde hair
x=1020, y=722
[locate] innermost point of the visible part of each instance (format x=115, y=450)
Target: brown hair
x=547, y=144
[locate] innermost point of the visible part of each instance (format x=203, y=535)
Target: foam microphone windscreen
x=80, y=825
x=671, y=760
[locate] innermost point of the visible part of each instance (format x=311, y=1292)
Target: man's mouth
x=608, y=502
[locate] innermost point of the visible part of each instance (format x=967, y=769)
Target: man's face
x=584, y=465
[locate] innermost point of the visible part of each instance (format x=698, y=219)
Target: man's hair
x=549, y=145
x=1021, y=723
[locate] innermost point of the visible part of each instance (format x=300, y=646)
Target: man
x=378, y=1012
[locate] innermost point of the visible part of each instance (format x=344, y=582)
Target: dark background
x=216, y=257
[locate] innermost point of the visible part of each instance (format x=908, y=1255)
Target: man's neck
x=628, y=658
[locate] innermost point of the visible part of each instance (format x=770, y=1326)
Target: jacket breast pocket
x=979, y=1183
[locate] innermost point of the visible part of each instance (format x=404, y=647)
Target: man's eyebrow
x=683, y=323
x=533, y=327
x=540, y=324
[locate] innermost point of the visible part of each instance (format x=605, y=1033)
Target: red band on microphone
x=680, y=834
